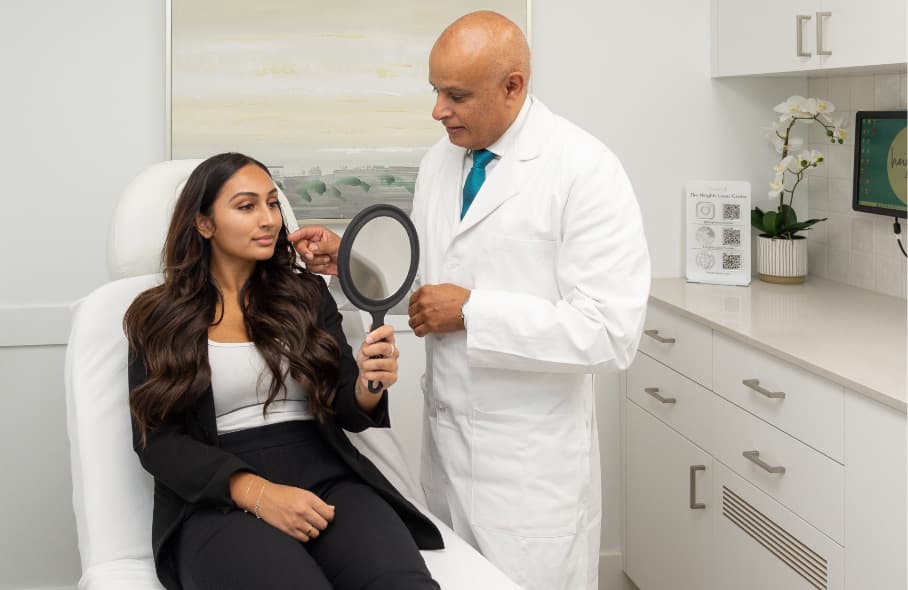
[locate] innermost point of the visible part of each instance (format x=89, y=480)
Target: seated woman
x=240, y=382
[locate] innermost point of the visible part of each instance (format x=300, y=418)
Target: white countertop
x=851, y=336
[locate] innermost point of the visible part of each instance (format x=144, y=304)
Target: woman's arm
x=196, y=471
x=355, y=408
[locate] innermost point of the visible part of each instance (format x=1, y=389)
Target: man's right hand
x=318, y=247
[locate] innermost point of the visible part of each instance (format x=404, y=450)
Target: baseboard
x=611, y=573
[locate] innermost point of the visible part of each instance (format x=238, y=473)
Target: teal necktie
x=475, y=178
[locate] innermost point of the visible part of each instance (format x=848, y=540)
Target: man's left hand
x=435, y=309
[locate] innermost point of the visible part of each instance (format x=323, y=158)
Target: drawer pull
x=654, y=334
x=694, y=505
x=820, y=17
x=654, y=391
x=800, y=19
x=754, y=456
x=755, y=385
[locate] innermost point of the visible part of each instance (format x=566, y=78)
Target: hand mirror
x=377, y=262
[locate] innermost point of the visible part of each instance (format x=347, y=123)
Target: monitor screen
x=880, y=163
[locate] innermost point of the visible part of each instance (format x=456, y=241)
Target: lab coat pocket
x=530, y=472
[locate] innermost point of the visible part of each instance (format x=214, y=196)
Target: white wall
x=636, y=75
x=82, y=112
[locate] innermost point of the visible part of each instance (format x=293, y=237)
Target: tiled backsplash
x=852, y=247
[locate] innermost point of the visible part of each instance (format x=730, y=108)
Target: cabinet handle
x=654, y=391
x=799, y=24
x=694, y=505
x=754, y=456
x=755, y=385
x=654, y=334
x=820, y=50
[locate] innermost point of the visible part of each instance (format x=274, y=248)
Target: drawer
x=685, y=405
x=812, y=485
x=680, y=343
x=759, y=544
x=811, y=411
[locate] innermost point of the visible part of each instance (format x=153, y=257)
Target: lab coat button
x=442, y=408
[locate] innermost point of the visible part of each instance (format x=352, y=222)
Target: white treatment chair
x=112, y=494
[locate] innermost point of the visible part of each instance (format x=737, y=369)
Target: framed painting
x=332, y=96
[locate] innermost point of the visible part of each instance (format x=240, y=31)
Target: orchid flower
x=824, y=106
x=789, y=108
x=791, y=169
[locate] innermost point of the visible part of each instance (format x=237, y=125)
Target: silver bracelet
x=258, y=502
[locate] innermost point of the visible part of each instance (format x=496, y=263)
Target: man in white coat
x=534, y=273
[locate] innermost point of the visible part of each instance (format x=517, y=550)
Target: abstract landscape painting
x=332, y=96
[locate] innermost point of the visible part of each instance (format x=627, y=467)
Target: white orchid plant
x=791, y=169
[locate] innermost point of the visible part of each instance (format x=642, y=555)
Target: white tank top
x=240, y=380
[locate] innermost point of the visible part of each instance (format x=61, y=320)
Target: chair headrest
x=135, y=241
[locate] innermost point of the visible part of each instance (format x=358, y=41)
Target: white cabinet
x=869, y=32
x=669, y=506
x=759, y=37
x=756, y=473
x=783, y=36
x=875, y=492
x=759, y=544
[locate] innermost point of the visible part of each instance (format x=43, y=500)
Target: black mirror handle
x=378, y=319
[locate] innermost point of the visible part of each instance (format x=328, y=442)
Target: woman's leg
x=236, y=551
x=367, y=547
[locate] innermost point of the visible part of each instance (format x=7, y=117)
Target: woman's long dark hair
x=169, y=323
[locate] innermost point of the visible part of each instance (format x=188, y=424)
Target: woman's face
x=245, y=218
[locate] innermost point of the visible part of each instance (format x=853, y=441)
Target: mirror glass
x=380, y=258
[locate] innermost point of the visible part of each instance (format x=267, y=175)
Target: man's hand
x=435, y=309
x=318, y=246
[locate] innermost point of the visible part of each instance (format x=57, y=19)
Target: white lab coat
x=554, y=252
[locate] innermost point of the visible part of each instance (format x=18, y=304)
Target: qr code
x=731, y=237
x=731, y=261
x=731, y=211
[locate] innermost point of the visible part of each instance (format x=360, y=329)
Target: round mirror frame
x=346, y=249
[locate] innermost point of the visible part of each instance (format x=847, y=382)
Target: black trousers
x=366, y=547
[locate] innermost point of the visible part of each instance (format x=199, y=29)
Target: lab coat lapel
x=510, y=174
x=501, y=184
x=444, y=213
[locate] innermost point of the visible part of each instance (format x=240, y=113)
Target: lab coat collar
x=507, y=179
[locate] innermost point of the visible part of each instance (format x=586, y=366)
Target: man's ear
x=515, y=84
x=204, y=226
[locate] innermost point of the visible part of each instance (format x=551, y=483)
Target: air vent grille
x=806, y=562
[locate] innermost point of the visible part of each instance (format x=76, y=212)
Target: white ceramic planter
x=781, y=261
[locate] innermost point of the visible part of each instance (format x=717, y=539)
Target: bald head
x=480, y=69
x=489, y=40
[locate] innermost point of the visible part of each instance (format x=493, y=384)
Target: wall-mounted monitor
x=880, y=163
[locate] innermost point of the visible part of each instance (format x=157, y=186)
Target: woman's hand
x=379, y=343
x=293, y=511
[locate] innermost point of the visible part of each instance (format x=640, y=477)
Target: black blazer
x=190, y=470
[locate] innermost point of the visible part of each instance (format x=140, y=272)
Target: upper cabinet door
x=865, y=33
x=790, y=36
x=762, y=37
